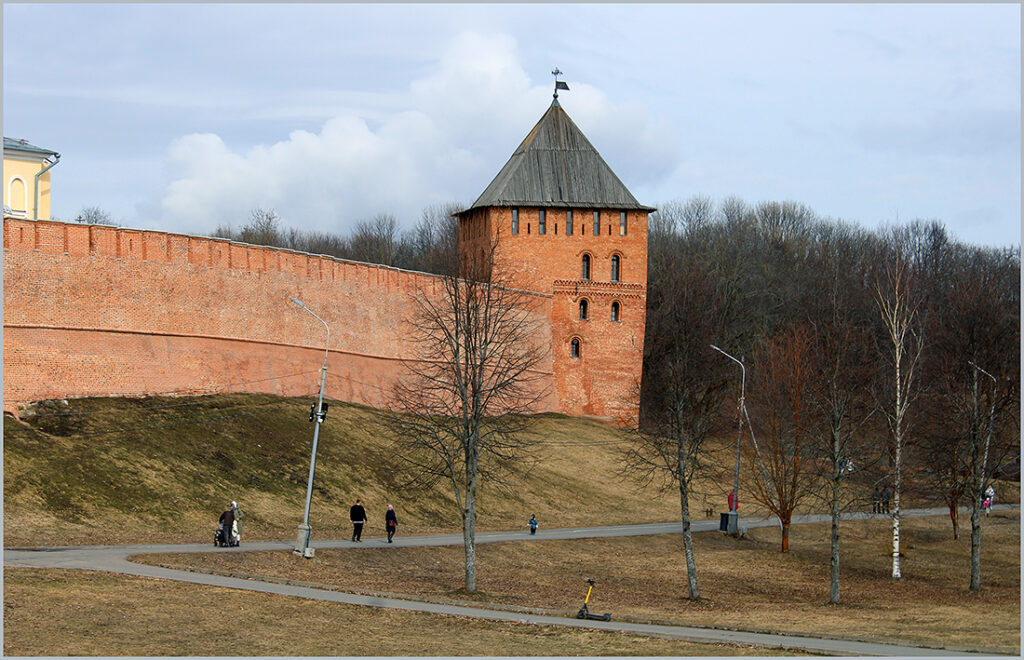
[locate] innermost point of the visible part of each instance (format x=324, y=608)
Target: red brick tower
x=562, y=223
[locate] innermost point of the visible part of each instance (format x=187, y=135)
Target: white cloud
x=452, y=132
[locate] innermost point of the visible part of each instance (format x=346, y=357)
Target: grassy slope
x=162, y=469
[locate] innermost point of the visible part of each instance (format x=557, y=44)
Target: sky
x=184, y=117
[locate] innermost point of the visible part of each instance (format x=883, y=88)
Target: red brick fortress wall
x=106, y=311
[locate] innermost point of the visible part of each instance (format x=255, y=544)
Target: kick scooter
x=584, y=612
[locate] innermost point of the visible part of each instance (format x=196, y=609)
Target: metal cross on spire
x=558, y=83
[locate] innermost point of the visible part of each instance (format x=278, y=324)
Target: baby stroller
x=225, y=537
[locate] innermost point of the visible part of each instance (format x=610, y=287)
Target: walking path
x=115, y=559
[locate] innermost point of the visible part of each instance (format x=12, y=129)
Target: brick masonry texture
x=106, y=311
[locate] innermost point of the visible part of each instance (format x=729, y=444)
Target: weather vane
x=558, y=83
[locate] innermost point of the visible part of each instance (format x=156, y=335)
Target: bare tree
x=263, y=228
x=783, y=474
x=684, y=380
x=900, y=346
x=843, y=370
x=459, y=415
x=94, y=215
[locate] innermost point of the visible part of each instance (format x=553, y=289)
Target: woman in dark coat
x=390, y=522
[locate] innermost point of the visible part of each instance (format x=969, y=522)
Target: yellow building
x=26, y=179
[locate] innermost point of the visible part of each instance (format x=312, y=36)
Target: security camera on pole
x=317, y=414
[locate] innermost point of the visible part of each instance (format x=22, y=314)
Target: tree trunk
x=469, y=543
x=977, y=491
x=897, y=572
x=684, y=503
x=954, y=514
x=833, y=594
x=469, y=522
x=785, y=536
x=975, y=546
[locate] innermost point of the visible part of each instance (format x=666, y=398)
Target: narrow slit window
x=615, y=311
x=615, y=268
x=583, y=309
x=597, y=223
x=542, y=223
x=515, y=221
x=574, y=349
x=585, y=271
x=622, y=223
x=568, y=223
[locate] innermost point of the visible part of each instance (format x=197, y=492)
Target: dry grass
x=167, y=476
x=60, y=613
x=745, y=583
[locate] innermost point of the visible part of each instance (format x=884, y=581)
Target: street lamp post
x=734, y=512
x=302, y=545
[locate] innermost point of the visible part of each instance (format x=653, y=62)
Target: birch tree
x=900, y=346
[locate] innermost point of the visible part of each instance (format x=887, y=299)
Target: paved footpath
x=115, y=559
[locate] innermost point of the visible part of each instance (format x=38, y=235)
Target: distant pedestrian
x=390, y=522
x=986, y=505
x=533, y=524
x=238, y=521
x=357, y=515
x=876, y=501
x=886, y=497
x=990, y=493
x=734, y=502
x=226, y=527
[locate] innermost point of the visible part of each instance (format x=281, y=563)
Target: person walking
x=390, y=522
x=734, y=504
x=886, y=497
x=990, y=493
x=533, y=523
x=226, y=525
x=237, y=528
x=357, y=516
x=876, y=501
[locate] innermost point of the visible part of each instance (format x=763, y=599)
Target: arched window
x=585, y=273
x=17, y=195
x=615, y=268
x=574, y=347
x=583, y=309
x=615, y=311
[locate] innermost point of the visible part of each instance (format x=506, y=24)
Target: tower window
x=615, y=268
x=597, y=223
x=574, y=348
x=515, y=221
x=585, y=271
x=622, y=223
x=542, y=223
x=568, y=223
x=615, y=311
x=583, y=309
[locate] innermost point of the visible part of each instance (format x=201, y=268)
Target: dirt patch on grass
x=60, y=613
x=745, y=583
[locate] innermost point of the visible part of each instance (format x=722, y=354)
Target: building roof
x=15, y=144
x=557, y=166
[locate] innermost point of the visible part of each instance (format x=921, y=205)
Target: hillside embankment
x=162, y=469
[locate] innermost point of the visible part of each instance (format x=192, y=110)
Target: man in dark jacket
x=357, y=515
x=227, y=522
